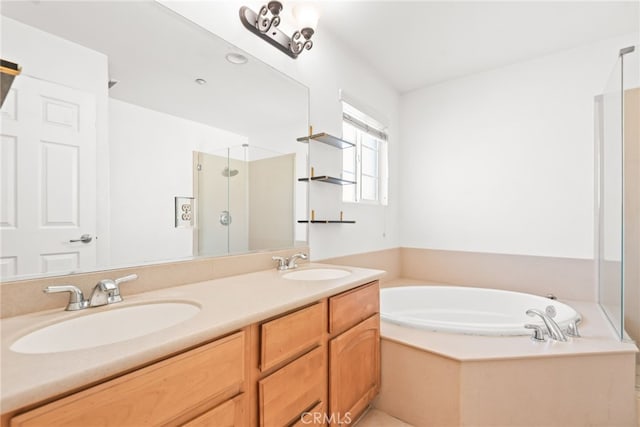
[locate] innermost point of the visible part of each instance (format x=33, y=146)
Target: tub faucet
x=572, y=329
x=553, y=329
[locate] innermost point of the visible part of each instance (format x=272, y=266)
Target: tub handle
x=538, y=332
x=572, y=329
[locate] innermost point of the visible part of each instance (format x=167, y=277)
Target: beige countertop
x=226, y=305
x=597, y=337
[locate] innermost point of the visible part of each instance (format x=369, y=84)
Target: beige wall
x=387, y=260
x=271, y=200
x=26, y=296
x=566, y=278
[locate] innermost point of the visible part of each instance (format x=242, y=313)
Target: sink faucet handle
x=292, y=260
x=128, y=278
x=538, y=332
x=76, y=297
x=115, y=293
x=282, y=262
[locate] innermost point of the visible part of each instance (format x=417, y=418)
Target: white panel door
x=48, y=179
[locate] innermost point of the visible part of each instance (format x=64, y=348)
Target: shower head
x=226, y=172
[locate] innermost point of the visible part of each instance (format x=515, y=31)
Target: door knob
x=85, y=238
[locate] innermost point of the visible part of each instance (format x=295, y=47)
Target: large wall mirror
x=134, y=136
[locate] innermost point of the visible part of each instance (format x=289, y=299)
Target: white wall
x=503, y=161
x=325, y=69
x=151, y=157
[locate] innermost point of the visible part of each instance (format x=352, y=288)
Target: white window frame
x=365, y=125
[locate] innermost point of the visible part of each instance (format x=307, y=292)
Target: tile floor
x=376, y=418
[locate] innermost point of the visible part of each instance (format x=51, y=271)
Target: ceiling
x=412, y=44
x=156, y=55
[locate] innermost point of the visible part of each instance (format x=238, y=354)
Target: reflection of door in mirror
x=48, y=178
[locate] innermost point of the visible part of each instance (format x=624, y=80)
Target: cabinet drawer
x=288, y=336
x=352, y=307
x=288, y=392
x=154, y=395
x=229, y=414
x=315, y=416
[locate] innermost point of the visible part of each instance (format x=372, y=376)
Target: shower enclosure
x=618, y=195
x=245, y=200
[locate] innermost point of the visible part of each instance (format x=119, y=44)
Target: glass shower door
x=617, y=195
x=609, y=197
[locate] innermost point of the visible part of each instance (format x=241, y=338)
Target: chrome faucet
x=282, y=262
x=552, y=328
x=288, y=263
x=107, y=291
x=572, y=329
x=292, y=260
x=76, y=297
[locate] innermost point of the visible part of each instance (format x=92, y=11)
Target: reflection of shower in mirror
x=226, y=172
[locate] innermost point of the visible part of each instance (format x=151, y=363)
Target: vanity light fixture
x=265, y=23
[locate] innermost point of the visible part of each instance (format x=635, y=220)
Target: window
x=366, y=163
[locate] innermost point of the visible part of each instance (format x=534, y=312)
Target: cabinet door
x=160, y=394
x=228, y=414
x=285, y=395
x=354, y=375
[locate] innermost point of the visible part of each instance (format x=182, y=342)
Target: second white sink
x=104, y=327
x=317, y=274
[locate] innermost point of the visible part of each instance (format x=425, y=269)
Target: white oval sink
x=317, y=274
x=105, y=327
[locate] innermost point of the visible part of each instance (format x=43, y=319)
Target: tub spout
x=552, y=327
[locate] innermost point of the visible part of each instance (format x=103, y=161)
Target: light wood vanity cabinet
x=291, y=335
x=228, y=414
x=350, y=308
x=311, y=366
x=295, y=344
x=354, y=351
x=170, y=392
x=354, y=377
x=290, y=391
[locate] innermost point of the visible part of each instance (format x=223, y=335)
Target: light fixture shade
x=306, y=16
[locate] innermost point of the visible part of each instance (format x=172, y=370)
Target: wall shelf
x=329, y=179
x=327, y=139
x=324, y=221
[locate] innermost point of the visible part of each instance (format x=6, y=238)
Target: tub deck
x=446, y=379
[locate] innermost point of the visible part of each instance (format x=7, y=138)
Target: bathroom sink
x=104, y=327
x=317, y=274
